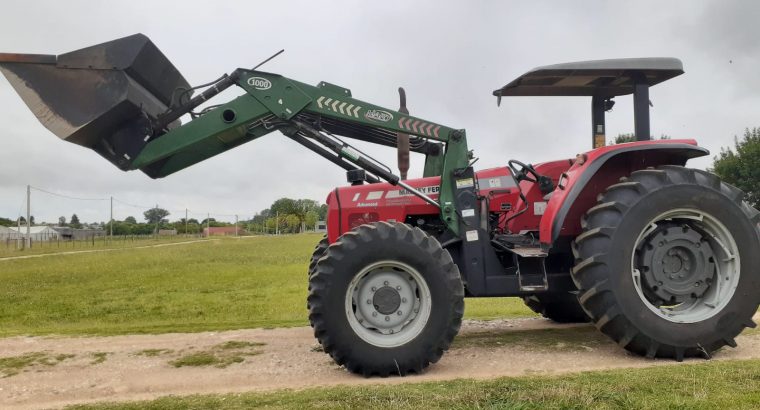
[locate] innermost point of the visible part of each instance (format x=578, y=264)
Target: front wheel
x=667, y=264
x=385, y=299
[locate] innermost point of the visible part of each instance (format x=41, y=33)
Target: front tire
x=667, y=263
x=385, y=299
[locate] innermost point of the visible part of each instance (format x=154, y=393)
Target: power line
x=67, y=196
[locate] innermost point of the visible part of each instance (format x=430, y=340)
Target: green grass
x=215, y=285
x=13, y=365
x=154, y=352
x=99, y=357
x=8, y=248
x=710, y=385
x=220, y=356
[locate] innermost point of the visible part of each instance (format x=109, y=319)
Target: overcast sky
x=448, y=55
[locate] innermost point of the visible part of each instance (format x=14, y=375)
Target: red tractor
x=661, y=258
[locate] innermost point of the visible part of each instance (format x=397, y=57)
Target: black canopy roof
x=604, y=78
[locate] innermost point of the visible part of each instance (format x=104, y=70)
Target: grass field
x=214, y=285
x=8, y=248
x=714, y=385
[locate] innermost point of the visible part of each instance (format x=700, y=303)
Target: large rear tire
x=385, y=299
x=558, y=307
x=667, y=264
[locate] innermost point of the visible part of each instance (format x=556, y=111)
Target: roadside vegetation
x=220, y=356
x=710, y=385
x=13, y=365
x=211, y=285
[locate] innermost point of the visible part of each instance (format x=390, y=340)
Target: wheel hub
x=386, y=300
x=677, y=263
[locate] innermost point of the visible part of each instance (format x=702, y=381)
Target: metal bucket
x=103, y=97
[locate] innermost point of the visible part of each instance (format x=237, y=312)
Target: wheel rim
x=388, y=303
x=685, y=265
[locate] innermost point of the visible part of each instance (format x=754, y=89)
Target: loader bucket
x=102, y=97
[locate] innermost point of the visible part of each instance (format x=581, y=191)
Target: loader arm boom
x=301, y=111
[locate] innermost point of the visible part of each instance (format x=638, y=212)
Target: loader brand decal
x=367, y=204
x=260, y=83
x=378, y=115
x=419, y=127
x=338, y=106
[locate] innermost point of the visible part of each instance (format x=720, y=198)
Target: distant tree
x=7, y=222
x=311, y=219
x=74, y=222
x=22, y=220
x=156, y=215
x=130, y=220
x=623, y=138
x=61, y=221
x=31, y=220
x=741, y=166
x=293, y=223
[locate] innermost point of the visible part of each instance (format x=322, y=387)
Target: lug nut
x=374, y=314
x=369, y=301
x=398, y=287
x=387, y=318
x=374, y=289
x=400, y=313
x=391, y=331
x=403, y=300
x=385, y=283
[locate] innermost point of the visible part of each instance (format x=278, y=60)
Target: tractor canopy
x=602, y=80
x=102, y=97
x=606, y=78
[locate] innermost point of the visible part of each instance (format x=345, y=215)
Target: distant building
x=320, y=226
x=222, y=231
x=68, y=233
x=8, y=234
x=167, y=232
x=36, y=233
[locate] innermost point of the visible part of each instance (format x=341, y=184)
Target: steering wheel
x=521, y=173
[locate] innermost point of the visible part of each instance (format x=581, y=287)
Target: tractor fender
x=592, y=172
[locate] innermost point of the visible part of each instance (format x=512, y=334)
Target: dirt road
x=138, y=367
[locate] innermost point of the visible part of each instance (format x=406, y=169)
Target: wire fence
x=111, y=212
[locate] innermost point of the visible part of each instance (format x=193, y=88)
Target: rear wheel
x=667, y=263
x=559, y=307
x=385, y=299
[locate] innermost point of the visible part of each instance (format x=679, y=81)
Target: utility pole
x=19, y=242
x=185, y=221
x=111, y=218
x=236, y=225
x=158, y=221
x=28, y=214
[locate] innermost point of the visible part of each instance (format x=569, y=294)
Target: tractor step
x=531, y=270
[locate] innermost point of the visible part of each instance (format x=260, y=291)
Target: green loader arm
x=273, y=102
x=124, y=100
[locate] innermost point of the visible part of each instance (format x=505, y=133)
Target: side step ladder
x=531, y=270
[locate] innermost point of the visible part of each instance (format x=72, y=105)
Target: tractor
x=661, y=258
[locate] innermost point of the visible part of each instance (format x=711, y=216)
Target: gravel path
x=290, y=358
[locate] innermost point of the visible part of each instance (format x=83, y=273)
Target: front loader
x=661, y=258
